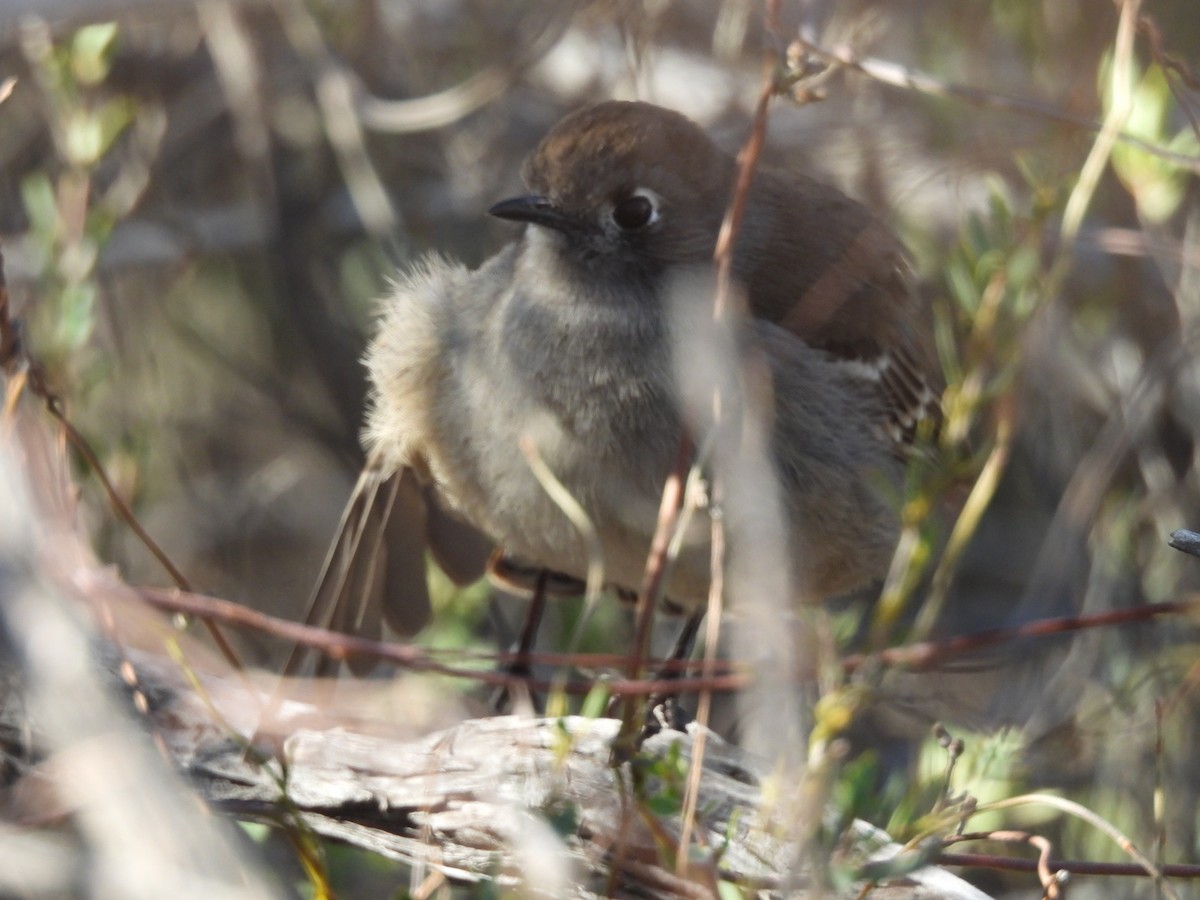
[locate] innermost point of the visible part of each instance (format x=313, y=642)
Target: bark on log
x=534, y=802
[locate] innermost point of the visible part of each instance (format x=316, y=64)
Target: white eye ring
x=637, y=211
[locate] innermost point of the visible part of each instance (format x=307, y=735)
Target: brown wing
x=839, y=279
x=374, y=572
x=879, y=328
x=460, y=550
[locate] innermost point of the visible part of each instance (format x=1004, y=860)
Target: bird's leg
x=518, y=666
x=663, y=710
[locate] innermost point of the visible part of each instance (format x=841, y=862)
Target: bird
x=564, y=339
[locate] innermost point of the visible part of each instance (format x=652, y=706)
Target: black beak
x=537, y=211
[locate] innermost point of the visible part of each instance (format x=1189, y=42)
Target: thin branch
x=748, y=159
x=1042, y=865
x=334, y=87
x=1074, y=866
x=917, y=657
x=930, y=654
x=669, y=510
x=1121, y=81
x=455, y=103
x=897, y=75
x=22, y=371
x=1101, y=824
x=339, y=646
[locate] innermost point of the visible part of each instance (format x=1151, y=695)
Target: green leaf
x=90, y=133
x=961, y=284
x=256, y=831
x=595, y=703
x=664, y=804
x=40, y=204
x=84, y=138
x=91, y=52
x=1023, y=266
x=1157, y=185
x=78, y=303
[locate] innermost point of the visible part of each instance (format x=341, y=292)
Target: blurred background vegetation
x=200, y=202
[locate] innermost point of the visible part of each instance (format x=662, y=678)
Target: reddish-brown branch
x=1074, y=866
x=8, y=334
x=1045, y=869
x=929, y=654
x=339, y=646
x=656, y=562
x=728, y=677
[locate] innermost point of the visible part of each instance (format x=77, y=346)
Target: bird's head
x=625, y=189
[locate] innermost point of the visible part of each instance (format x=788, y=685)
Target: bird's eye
x=634, y=212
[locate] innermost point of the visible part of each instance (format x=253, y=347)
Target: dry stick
x=712, y=632
x=334, y=90
x=1159, y=807
x=967, y=524
x=1070, y=807
x=1079, y=811
x=928, y=654
x=433, y=111
x=1042, y=865
x=723, y=259
x=1121, y=80
x=897, y=75
x=916, y=657
x=1074, y=866
x=338, y=646
x=673, y=492
x=9, y=342
x=669, y=510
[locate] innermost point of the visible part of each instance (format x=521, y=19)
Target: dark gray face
x=621, y=235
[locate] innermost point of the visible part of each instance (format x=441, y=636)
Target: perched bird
x=565, y=337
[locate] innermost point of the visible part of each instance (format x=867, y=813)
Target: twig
x=335, y=92
x=916, y=657
x=669, y=510
x=900, y=76
x=455, y=103
x=1121, y=79
x=929, y=654
x=969, y=518
x=338, y=646
x=575, y=513
x=9, y=339
x=723, y=260
x=1045, y=871
x=1074, y=866
x=21, y=371
x=1101, y=824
